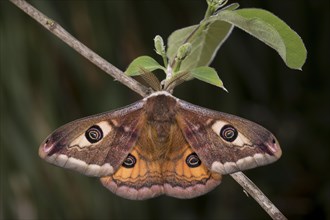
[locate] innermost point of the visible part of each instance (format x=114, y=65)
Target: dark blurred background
x=45, y=84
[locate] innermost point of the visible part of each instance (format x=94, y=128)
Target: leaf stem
x=209, y=12
x=211, y=7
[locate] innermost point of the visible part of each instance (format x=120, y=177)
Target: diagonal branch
x=113, y=71
x=62, y=34
x=258, y=195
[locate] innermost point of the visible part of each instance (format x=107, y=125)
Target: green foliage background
x=45, y=84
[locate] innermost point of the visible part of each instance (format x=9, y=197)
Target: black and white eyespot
x=94, y=134
x=193, y=160
x=130, y=161
x=228, y=133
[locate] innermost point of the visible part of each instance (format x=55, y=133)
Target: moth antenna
x=177, y=80
x=149, y=79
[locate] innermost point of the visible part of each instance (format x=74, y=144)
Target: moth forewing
x=224, y=142
x=96, y=145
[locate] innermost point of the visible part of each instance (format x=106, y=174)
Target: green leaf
x=176, y=39
x=142, y=62
x=207, y=74
x=271, y=30
x=204, y=46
